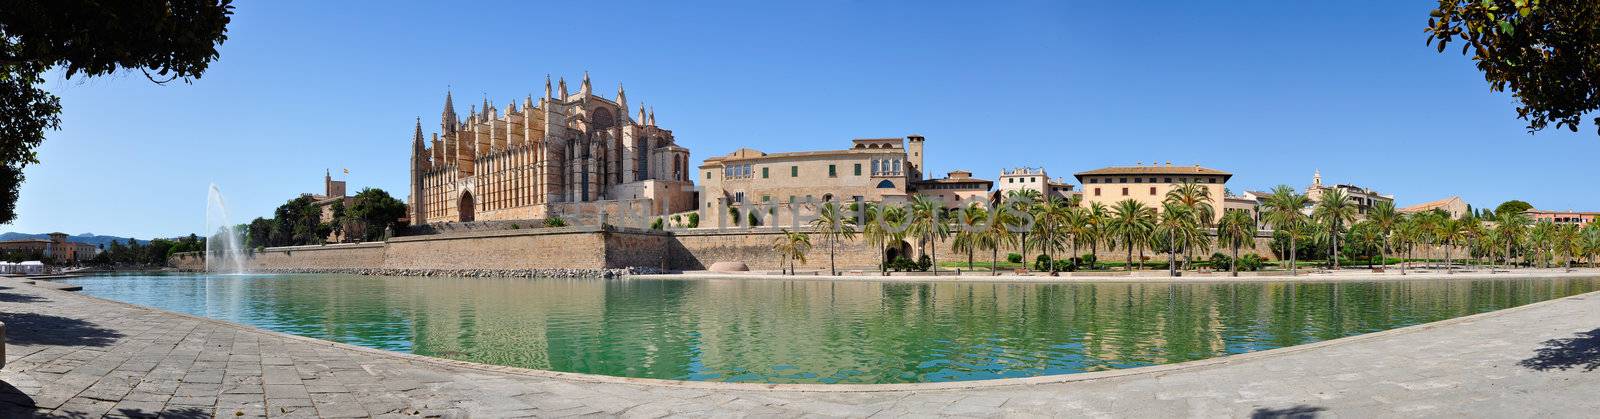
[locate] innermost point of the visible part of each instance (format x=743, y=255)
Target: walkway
x=70, y=355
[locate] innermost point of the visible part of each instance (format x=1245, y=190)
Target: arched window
x=885, y=184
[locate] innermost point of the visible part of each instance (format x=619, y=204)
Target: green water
x=818, y=331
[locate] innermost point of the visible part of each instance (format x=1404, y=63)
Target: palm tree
x=1131, y=223
x=1540, y=238
x=834, y=224
x=1175, y=222
x=1591, y=243
x=1566, y=241
x=1365, y=237
x=1099, y=218
x=792, y=245
x=1235, y=230
x=1049, y=217
x=1021, y=202
x=1406, y=234
x=1079, y=228
x=1449, y=231
x=1334, y=210
x=996, y=233
x=1509, y=228
x=1384, y=217
x=1198, y=200
x=1285, y=212
x=876, y=232
x=928, y=227
x=968, y=233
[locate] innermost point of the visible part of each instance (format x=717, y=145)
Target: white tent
x=32, y=267
x=7, y=267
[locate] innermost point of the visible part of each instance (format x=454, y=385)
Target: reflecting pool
x=798, y=331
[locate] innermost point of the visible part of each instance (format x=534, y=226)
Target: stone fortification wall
x=333, y=256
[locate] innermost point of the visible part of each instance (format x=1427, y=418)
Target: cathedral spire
x=584, y=88
x=622, y=97
x=448, y=118
x=528, y=102
x=641, y=113
x=652, y=116
x=547, y=87
x=563, y=82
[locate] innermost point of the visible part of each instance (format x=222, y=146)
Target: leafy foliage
x=175, y=39
x=1547, y=52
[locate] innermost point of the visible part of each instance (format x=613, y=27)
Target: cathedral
x=542, y=158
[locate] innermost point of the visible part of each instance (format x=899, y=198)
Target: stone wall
x=333, y=256
x=187, y=261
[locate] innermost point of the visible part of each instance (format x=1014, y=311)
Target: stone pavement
x=70, y=355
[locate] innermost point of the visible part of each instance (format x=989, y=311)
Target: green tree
x=1049, y=218
x=1566, y=240
x=792, y=245
x=968, y=233
x=1197, y=199
x=1334, y=210
x=174, y=39
x=929, y=227
x=1509, y=228
x=1284, y=211
x=1174, y=223
x=1544, y=51
x=1513, y=206
x=1384, y=218
x=833, y=224
x=1237, y=229
x=1021, y=202
x=1132, y=223
x=1450, y=232
x=1098, y=216
x=376, y=212
x=997, y=233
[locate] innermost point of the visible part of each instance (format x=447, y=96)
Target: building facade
x=1453, y=206
x=534, y=161
x=57, y=248
x=1033, y=178
x=872, y=170
x=955, y=188
x=1149, y=184
x=1363, y=198
x=1581, y=218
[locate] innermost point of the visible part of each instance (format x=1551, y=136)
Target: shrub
x=924, y=262
x=515, y=226
x=1220, y=261
x=1014, y=257
x=902, y=264
x=555, y=222
x=657, y=224
x=694, y=219
x=1041, y=263
x=1068, y=265
x=1251, y=262
x=1088, y=260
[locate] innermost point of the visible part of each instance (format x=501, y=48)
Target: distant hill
x=89, y=238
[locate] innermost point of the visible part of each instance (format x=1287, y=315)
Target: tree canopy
x=1547, y=52
x=165, y=39
x=1513, y=206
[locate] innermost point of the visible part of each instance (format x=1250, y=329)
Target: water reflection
x=817, y=331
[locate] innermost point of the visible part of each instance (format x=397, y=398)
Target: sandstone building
x=57, y=248
x=1453, y=206
x=1149, y=184
x=537, y=160
x=955, y=188
x=872, y=169
x=1363, y=198
x=1036, y=179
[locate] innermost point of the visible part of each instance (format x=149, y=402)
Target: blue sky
x=1269, y=90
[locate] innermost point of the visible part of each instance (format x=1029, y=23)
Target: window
x=896, y=166
x=1152, y=180
x=1138, y=180
x=1122, y=180
x=791, y=199
x=1167, y=180
x=1124, y=191
x=764, y=173
x=874, y=167
x=858, y=169
x=708, y=175
x=1096, y=191
x=1152, y=190
x=738, y=197
x=833, y=171
x=885, y=184
x=766, y=198
x=794, y=171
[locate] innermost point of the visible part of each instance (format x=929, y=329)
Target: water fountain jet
x=224, y=254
